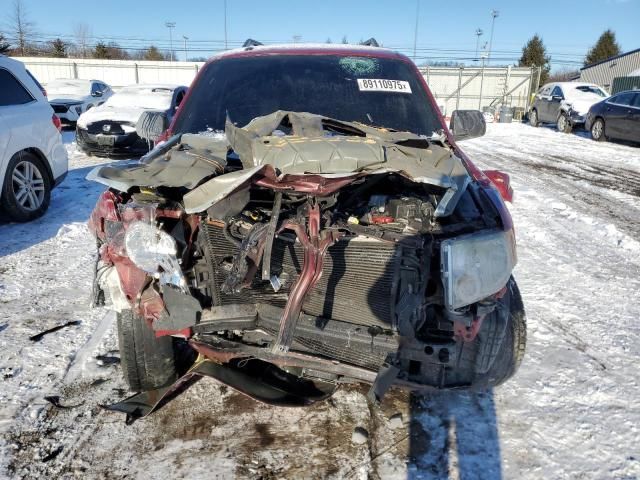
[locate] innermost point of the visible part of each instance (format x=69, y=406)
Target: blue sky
x=568, y=27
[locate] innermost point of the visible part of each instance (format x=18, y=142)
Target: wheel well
x=41, y=156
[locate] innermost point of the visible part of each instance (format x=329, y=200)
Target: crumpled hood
x=106, y=112
x=294, y=144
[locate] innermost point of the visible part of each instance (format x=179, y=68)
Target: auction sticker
x=383, y=85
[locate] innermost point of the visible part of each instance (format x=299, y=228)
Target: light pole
x=225, y=25
x=185, y=38
x=170, y=26
x=479, y=33
x=494, y=15
x=415, y=31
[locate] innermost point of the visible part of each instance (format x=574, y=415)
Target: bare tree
x=82, y=34
x=20, y=25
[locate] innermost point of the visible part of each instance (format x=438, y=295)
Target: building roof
x=610, y=58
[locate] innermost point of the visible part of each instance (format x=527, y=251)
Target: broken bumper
x=126, y=145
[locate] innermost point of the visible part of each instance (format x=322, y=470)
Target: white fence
x=116, y=73
x=478, y=88
x=465, y=88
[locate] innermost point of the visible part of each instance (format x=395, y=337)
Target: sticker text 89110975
x=383, y=85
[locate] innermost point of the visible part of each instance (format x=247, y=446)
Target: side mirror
x=151, y=125
x=97, y=93
x=556, y=98
x=466, y=124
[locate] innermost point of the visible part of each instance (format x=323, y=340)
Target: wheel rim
x=562, y=123
x=596, y=130
x=28, y=185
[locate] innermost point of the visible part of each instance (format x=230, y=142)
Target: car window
x=95, y=87
x=636, y=101
x=11, y=90
x=38, y=84
x=179, y=97
x=591, y=89
x=557, y=91
x=329, y=85
x=623, y=99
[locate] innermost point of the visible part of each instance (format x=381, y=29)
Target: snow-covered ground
x=572, y=411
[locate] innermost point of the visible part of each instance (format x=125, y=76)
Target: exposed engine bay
x=334, y=250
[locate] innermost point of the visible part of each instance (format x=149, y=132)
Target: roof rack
x=250, y=42
x=372, y=42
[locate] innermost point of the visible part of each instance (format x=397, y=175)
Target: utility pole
x=494, y=15
x=415, y=31
x=479, y=33
x=185, y=38
x=170, y=26
x=226, y=47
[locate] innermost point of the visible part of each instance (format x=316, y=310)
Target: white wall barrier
x=454, y=87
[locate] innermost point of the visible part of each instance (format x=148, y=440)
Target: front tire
x=597, y=130
x=148, y=362
x=512, y=347
x=564, y=124
x=26, y=190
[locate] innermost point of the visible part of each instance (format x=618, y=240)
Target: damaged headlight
x=476, y=266
x=154, y=252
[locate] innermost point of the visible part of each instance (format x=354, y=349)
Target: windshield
x=61, y=87
x=147, y=98
x=375, y=91
x=589, y=90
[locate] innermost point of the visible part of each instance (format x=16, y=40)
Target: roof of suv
x=18, y=70
x=311, y=49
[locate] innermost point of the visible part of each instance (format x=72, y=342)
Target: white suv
x=32, y=157
x=71, y=98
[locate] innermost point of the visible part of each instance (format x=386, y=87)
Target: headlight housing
x=154, y=252
x=476, y=266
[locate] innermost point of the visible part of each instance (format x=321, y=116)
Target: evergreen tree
x=101, y=51
x=606, y=47
x=534, y=54
x=344, y=40
x=58, y=48
x=153, y=53
x=4, y=46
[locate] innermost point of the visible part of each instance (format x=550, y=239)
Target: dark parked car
x=110, y=129
x=617, y=117
x=310, y=220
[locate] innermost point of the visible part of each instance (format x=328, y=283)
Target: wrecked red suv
x=308, y=220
